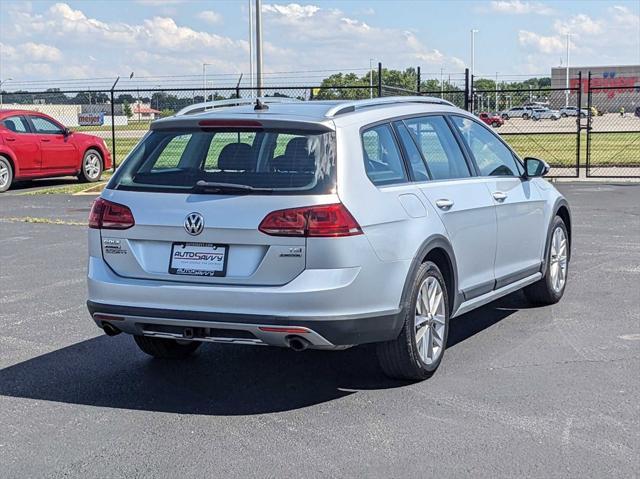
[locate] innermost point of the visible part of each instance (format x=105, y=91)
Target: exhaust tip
x=110, y=329
x=297, y=343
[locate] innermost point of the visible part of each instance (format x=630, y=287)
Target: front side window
x=439, y=147
x=47, y=127
x=491, y=154
x=382, y=160
x=17, y=124
x=267, y=161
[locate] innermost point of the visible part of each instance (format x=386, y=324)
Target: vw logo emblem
x=194, y=224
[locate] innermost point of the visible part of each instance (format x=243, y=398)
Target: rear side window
x=382, y=160
x=439, y=147
x=265, y=161
x=492, y=156
x=16, y=124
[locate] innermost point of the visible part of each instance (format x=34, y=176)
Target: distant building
x=612, y=87
x=143, y=112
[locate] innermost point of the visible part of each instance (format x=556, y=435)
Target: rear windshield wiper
x=216, y=187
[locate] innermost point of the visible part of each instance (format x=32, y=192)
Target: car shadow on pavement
x=20, y=186
x=219, y=380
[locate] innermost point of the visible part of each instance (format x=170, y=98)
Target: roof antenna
x=260, y=106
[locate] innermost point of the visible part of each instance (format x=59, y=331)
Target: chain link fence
x=541, y=122
x=613, y=130
x=587, y=127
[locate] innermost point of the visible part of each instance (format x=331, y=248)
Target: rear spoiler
x=239, y=122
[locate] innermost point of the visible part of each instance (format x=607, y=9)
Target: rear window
x=223, y=162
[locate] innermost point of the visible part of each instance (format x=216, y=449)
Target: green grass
x=71, y=188
x=559, y=149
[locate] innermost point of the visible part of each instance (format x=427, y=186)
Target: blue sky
x=84, y=39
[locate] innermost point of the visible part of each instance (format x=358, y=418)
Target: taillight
x=311, y=221
x=108, y=215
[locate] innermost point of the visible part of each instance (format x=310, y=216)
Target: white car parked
x=321, y=225
x=573, y=111
x=545, y=113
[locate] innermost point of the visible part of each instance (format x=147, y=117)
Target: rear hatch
x=192, y=199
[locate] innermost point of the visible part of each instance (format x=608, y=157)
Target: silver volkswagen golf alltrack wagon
x=321, y=225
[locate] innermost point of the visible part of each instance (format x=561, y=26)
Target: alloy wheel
x=430, y=321
x=558, y=260
x=4, y=175
x=92, y=166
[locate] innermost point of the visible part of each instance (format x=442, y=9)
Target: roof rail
x=349, y=106
x=210, y=105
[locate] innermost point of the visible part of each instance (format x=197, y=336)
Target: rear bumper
x=322, y=334
x=342, y=306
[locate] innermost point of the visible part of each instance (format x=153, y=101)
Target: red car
x=491, y=119
x=34, y=145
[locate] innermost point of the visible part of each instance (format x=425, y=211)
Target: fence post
x=113, y=126
x=419, y=81
x=578, y=122
x=379, y=79
x=466, y=89
x=589, y=119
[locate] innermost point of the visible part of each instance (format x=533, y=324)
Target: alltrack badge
x=194, y=224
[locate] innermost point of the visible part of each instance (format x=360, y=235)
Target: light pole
x=441, y=82
x=566, y=92
x=473, y=51
x=2, y=82
x=204, y=80
x=251, y=46
x=259, y=47
x=473, y=66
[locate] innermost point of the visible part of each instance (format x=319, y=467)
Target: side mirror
x=66, y=132
x=533, y=168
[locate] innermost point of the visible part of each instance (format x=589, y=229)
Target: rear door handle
x=444, y=204
x=11, y=139
x=44, y=140
x=499, y=195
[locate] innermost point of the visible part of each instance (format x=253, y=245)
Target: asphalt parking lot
x=537, y=392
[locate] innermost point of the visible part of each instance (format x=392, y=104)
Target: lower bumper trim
x=342, y=331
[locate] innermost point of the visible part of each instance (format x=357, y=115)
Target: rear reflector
x=108, y=215
x=273, y=329
x=323, y=221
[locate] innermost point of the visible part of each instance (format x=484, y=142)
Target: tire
x=564, y=115
x=505, y=116
x=495, y=124
x=525, y=116
x=535, y=118
x=405, y=357
x=549, y=290
x=6, y=174
x=92, y=166
x=162, y=348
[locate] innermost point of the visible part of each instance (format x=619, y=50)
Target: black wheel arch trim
x=431, y=243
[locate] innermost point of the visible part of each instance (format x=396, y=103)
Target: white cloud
x=579, y=24
x=518, y=7
x=292, y=10
x=31, y=52
x=210, y=16
x=611, y=38
x=541, y=43
x=159, y=3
